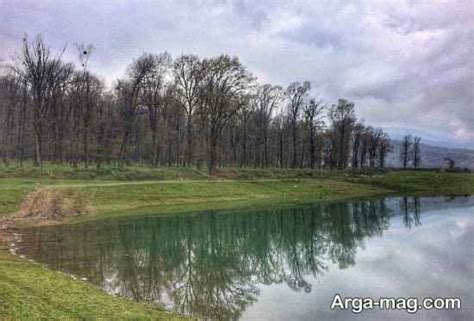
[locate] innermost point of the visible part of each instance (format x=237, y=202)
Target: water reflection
x=411, y=211
x=211, y=264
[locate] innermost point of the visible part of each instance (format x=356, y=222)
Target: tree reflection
x=211, y=264
x=411, y=211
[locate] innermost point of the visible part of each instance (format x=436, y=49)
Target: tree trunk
x=38, y=156
x=281, y=148
x=341, y=148
x=212, y=156
x=189, y=145
x=123, y=147
x=154, y=138
x=294, y=132
x=86, y=143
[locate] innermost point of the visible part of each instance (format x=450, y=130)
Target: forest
x=184, y=111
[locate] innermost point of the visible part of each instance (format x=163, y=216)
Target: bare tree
x=416, y=152
x=129, y=91
x=153, y=95
x=36, y=66
x=244, y=115
x=374, y=144
x=343, y=118
x=10, y=93
x=384, y=148
x=364, y=147
x=405, y=150
x=225, y=80
x=57, y=109
x=104, y=127
x=279, y=123
x=85, y=52
x=267, y=99
x=296, y=94
x=188, y=75
x=357, y=137
x=312, y=114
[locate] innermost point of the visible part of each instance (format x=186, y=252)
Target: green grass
x=189, y=196
x=29, y=291
x=142, y=172
x=12, y=190
x=423, y=183
x=106, y=172
x=187, y=189
x=109, y=197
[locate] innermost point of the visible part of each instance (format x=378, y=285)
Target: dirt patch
x=49, y=203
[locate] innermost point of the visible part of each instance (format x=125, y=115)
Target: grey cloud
x=407, y=64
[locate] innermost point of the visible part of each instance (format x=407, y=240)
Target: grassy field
x=140, y=173
x=30, y=291
x=114, y=198
x=423, y=183
x=113, y=191
x=117, y=189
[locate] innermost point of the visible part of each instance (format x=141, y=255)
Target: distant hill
x=433, y=156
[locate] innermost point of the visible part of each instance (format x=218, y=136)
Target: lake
x=282, y=263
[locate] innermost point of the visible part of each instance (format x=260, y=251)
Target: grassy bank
x=29, y=291
x=187, y=189
x=110, y=198
x=423, y=183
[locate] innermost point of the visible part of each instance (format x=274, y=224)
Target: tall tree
x=279, y=123
x=343, y=118
x=384, y=148
x=129, y=92
x=10, y=98
x=225, y=80
x=244, y=115
x=38, y=68
x=154, y=94
x=364, y=147
x=296, y=94
x=267, y=99
x=406, y=150
x=57, y=109
x=374, y=144
x=188, y=75
x=357, y=137
x=90, y=96
x=312, y=115
x=416, y=152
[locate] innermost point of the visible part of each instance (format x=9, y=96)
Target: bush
x=54, y=203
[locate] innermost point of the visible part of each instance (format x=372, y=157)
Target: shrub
x=54, y=203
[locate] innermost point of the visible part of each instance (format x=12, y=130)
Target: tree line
x=186, y=111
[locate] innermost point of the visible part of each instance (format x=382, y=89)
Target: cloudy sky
x=407, y=64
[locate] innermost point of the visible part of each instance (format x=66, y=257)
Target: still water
x=277, y=264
